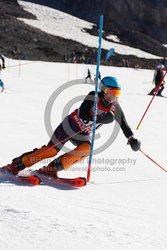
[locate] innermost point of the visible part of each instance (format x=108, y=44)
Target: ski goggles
x=110, y=91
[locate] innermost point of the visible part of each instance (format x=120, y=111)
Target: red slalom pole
x=153, y=161
x=156, y=91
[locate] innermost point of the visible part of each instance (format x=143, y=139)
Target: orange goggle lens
x=110, y=91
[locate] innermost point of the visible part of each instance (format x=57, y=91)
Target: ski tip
x=82, y=181
x=33, y=179
x=36, y=180
x=77, y=182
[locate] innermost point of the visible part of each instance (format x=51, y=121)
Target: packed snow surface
x=124, y=206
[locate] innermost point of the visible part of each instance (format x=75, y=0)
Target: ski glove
x=134, y=143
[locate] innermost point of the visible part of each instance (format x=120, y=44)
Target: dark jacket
x=106, y=113
x=3, y=61
x=159, y=76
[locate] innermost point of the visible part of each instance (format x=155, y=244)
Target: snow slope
x=124, y=206
x=60, y=24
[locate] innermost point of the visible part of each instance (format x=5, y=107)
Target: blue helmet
x=111, y=82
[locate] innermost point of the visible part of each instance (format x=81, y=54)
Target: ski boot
x=159, y=94
x=10, y=169
x=49, y=170
x=15, y=167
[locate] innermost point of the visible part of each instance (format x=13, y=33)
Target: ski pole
x=95, y=98
x=156, y=91
x=153, y=161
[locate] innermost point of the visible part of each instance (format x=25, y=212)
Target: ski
x=162, y=96
x=158, y=95
x=74, y=182
x=32, y=179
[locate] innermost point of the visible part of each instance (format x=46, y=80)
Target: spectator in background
x=88, y=76
x=125, y=63
x=158, y=75
x=2, y=66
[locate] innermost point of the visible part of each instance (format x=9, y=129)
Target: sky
x=124, y=205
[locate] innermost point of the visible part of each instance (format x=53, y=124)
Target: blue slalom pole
x=95, y=98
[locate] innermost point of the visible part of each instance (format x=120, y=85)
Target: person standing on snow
x=2, y=66
x=158, y=75
x=88, y=76
x=77, y=128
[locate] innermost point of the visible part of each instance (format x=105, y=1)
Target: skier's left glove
x=134, y=143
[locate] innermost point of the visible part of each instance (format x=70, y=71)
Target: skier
x=76, y=128
x=158, y=75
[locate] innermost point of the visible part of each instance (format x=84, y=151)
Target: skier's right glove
x=134, y=143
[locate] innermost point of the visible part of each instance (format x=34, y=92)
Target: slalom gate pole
x=95, y=98
x=153, y=161
x=156, y=91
